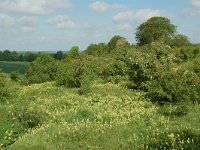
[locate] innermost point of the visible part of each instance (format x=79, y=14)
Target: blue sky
x=45, y=25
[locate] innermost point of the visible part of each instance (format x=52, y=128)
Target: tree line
x=8, y=55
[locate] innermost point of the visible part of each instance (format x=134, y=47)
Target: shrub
x=115, y=72
x=14, y=76
x=70, y=73
x=143, y=63
x=174, y=86
x=186, y=53
x=42, y=69
x=26, y=114
x=4, y=87
x=96, y=49
x=179, y=41
x=86, y=84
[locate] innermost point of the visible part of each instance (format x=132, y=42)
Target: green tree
x=116, y=42
x=42, y=69
x=7, y=55
x=179, y=41
x=156, y=28
x=96, y=49
x=74, y=52
x=59, y=55
x=29, y=56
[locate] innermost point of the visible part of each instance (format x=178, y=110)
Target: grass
x=9, y=67
x=43, y=116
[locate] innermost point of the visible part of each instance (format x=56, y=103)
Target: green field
x=9, y=67
x=43, y=116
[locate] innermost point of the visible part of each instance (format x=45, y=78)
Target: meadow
x=44, y=116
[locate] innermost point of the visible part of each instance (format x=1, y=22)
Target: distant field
x=9, y=67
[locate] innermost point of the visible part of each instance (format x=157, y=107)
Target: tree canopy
x=73, y=52
x=156, y=28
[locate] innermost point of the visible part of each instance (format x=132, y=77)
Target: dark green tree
x=29, y=56
x=154, y=29
x=59, y=55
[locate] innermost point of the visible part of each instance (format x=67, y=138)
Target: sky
x=52, y=25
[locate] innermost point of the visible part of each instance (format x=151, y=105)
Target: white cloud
x=62, y=22
x=28, y=23
x=6, y=21
x=194, y=10
x=103, y=6
x=195, y=3
x=127, y=21
x=35, y=7
x=136, y=16
x=127, y=27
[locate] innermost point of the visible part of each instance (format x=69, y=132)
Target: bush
x=115, y=72
x=4, y=87
x=174, y=86
x=26, y=114
x=186, y=53
x=15, y=76
x=144, y=63
x=70, y=73
x=86, y=83
x=179, y=41
x=42, y=69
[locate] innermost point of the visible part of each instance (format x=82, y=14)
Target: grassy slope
x=109, y=118
x=9, y=67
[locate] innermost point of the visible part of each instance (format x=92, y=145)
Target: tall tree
x=156, y=28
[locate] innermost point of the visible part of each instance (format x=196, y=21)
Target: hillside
x=44, y=116
x=113, y=95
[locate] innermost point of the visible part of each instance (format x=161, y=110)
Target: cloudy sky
x=27, y=25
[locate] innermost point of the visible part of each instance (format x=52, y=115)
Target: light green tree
x=73, y=52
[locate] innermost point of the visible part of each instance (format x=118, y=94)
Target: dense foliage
x=8, y=55
x=42, y=69
x=4, y=87
x=156, y=28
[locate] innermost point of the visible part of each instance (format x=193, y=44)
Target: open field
x=43, y=116
x=9, y=67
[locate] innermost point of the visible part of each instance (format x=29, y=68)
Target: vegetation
x=14, y=56
x=9, y=67
x=42, y=69
x=111, y=96
x=156, y=28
